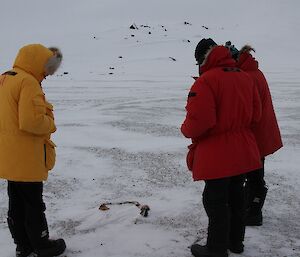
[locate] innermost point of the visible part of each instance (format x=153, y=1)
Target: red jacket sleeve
x=201, y=110
x=257, y=106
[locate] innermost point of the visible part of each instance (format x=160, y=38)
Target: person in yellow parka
x=26, y=151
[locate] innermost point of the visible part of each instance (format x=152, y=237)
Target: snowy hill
x=119, y=102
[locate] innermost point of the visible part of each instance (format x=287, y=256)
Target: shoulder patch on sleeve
x=191, y=94
x=229, y=69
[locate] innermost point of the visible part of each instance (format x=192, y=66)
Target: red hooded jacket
x=222, y=106
x=266, y=131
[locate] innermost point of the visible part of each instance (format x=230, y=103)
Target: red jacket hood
x=219, y=56
x=247, y=62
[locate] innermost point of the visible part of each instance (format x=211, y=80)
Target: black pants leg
x=237, y=210
x=28, y=197
x=256, y=190
x=16, y=217
x=223, y=200
x=215, y=201
x=255, y=179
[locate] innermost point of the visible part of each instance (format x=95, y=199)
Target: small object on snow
x=173, y=59
x=103, y=207
x=145, y=26
x=149, y=32
x=133, y=26
x=205, y=27
x=165, y=29
x=120, y=57
x=65, y=73
x=132, y=35
x=111, y=68
x=111, y=73
x=187, y=23
x=144, y=208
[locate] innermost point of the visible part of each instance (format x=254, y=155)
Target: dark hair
x=201, y=49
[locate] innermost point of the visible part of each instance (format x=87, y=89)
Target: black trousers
x=255, y=179
x=26, y=214
x=256, y=190
x=224, y=203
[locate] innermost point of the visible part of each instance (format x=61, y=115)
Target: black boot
x=256, y=200
x=236, y=248
x=51, y=248
x=23, y=251
x=204, y=251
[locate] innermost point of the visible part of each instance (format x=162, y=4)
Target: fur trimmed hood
x=38, y=60
x=217, y=56
x=247, y=49
x=245, y=60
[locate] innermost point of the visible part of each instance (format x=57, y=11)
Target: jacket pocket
x=50, y=155
x=190, y=156
x=49, y=110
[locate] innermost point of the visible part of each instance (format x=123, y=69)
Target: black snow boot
x=51, y=248
x=204, y=251
x=236, y=248
x=23, y=251
x=255, y=204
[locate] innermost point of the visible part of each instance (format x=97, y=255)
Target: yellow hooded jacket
x=26, y=119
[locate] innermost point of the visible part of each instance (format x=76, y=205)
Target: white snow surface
x=118, y=134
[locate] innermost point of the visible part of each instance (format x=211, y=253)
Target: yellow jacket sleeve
x=32, y=110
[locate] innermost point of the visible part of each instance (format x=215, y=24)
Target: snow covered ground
x=119, y=108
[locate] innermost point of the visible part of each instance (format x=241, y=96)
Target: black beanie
x=201, y=49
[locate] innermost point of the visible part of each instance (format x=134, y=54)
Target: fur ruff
x=54, y=62
x=246, y=49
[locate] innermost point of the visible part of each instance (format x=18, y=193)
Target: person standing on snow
x=267, y=135
x=26, y=151
x=222, y=106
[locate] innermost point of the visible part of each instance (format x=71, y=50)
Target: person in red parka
x=223, y=104
x=267, y=135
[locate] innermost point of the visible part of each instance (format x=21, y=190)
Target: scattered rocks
x=204, y=27
x=187, y=23
x=133, y=26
